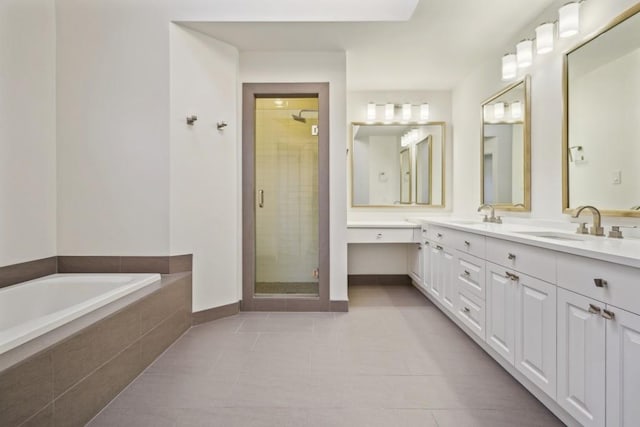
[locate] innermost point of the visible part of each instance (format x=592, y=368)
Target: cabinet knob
x=379, y=236
x=512, y=276
x=600, y=283
x=511, y=256
x=419, y=247
x=426, y=243
x=466, y=273
x=439, y=247
x=439, y=234
x=466, y=310
x=594, y=309
x=467, y=243
x=609, y=315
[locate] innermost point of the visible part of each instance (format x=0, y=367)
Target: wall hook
x=221, y=125
x=191, y=120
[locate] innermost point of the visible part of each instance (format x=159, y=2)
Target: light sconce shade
x=389, y=112
x=516, y=110
x=569, y=19
x=486, y=113
x=544, y=38
x=498, y=110
x=424, y=112
x=509, y=66
x=524, y=53
x=406, y=112
x=371, y=112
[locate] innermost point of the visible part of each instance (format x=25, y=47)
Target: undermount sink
x=555, y=235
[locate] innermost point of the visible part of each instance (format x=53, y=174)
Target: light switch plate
x=314, y=130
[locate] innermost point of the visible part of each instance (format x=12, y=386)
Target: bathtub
x=33, y=308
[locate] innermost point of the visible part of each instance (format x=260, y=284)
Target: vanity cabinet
x=416, y=262
x=442, y=280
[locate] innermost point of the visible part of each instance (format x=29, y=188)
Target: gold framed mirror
x=601, y=136
x=505, y=156
x=397, y=165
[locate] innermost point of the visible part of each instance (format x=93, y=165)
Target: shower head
x=298, y=117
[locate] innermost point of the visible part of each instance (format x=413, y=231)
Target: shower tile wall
x=287, y=225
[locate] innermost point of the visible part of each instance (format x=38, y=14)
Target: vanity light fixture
x=498, y=110
x=371, y=112
x=486, y=112
x=569, y=19
x=544, y=38
x=424, y=113
x=524, y=53
x=406, y=112
x=516, y=110
x=389, y=110
x=509, y=66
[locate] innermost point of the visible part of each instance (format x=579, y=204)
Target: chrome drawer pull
x=466, y=310
x=426, y=243
x=379, y=236
x=600, y=283
x=511, y=256
x=466, y=273
x=609, y=315
x=594, y=309
x=439, y=247
x=467, y=243
x=512, y=276
x=419, y=247
x=439, y=234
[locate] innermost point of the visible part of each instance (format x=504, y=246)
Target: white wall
x=113, y=127
x=27, y=131
x=546, y=115
x=205, y=216
x=440, y=106
x=277, y=67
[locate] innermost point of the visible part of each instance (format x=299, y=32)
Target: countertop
x=383, y=224
x=620, y=251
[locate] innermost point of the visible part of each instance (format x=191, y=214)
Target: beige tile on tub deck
x=162, y=336
x=25, y=389
x=158, y=306
x=88, y=264
x=44, y=418
x=144, y=264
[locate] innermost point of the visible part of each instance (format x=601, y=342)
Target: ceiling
x=435, y=49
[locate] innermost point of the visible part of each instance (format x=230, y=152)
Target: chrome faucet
x=596, y=229
x=492, y=218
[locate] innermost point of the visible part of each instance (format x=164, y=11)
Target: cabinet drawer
x=470, y=310
x=380, y=235
x=536, y=262
x=470, y=274
x=622, y=287
x=438, y=234
x=468, y=243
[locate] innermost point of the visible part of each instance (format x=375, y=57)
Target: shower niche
x=397, y=165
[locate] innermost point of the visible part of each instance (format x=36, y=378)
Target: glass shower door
x=286, y=205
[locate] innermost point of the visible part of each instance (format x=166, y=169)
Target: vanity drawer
x=380, y=235
x=471, y=311
x=468, y=243
x=536, y=262
x=470, y=275
x=622, y=287
x=438, y=234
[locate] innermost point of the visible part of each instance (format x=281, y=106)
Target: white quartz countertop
x=620, y=251
x=382, y=224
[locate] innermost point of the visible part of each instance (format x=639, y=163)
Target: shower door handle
x=261, y=198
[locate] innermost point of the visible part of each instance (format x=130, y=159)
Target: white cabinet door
x=623, y=368
x=536, y=332
x=581, y=358
x=435, y=286
x=426, y=265
x=415, y=262
x=448, y=278
x=500, y=314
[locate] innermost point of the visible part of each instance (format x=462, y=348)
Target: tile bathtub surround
x=71, y=381
x=125, y=264
x=17, y=273
x=393, y=360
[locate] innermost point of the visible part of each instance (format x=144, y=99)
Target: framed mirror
x=506, y=148
x=399, y=165
x=601, y=141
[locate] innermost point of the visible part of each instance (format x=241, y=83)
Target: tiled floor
x=393, y=360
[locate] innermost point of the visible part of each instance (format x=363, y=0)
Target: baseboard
x=378, y=279
x=215, y=313
x=339, y=306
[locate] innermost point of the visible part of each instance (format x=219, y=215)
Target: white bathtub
x=33, y=308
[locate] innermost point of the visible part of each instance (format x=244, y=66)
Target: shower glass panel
x=286, y=205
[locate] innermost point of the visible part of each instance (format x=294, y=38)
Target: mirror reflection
x=397, y=164
x=505, y=159
x=602, y=131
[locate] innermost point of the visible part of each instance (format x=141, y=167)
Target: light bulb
x=509, y=66
x=389, y=112
x=371, y=112
x=406, y=112
x=424, y=112
x=516, y=110
x=544, y=38
x=524, y=53
x=498, y=110
x=569, y=19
